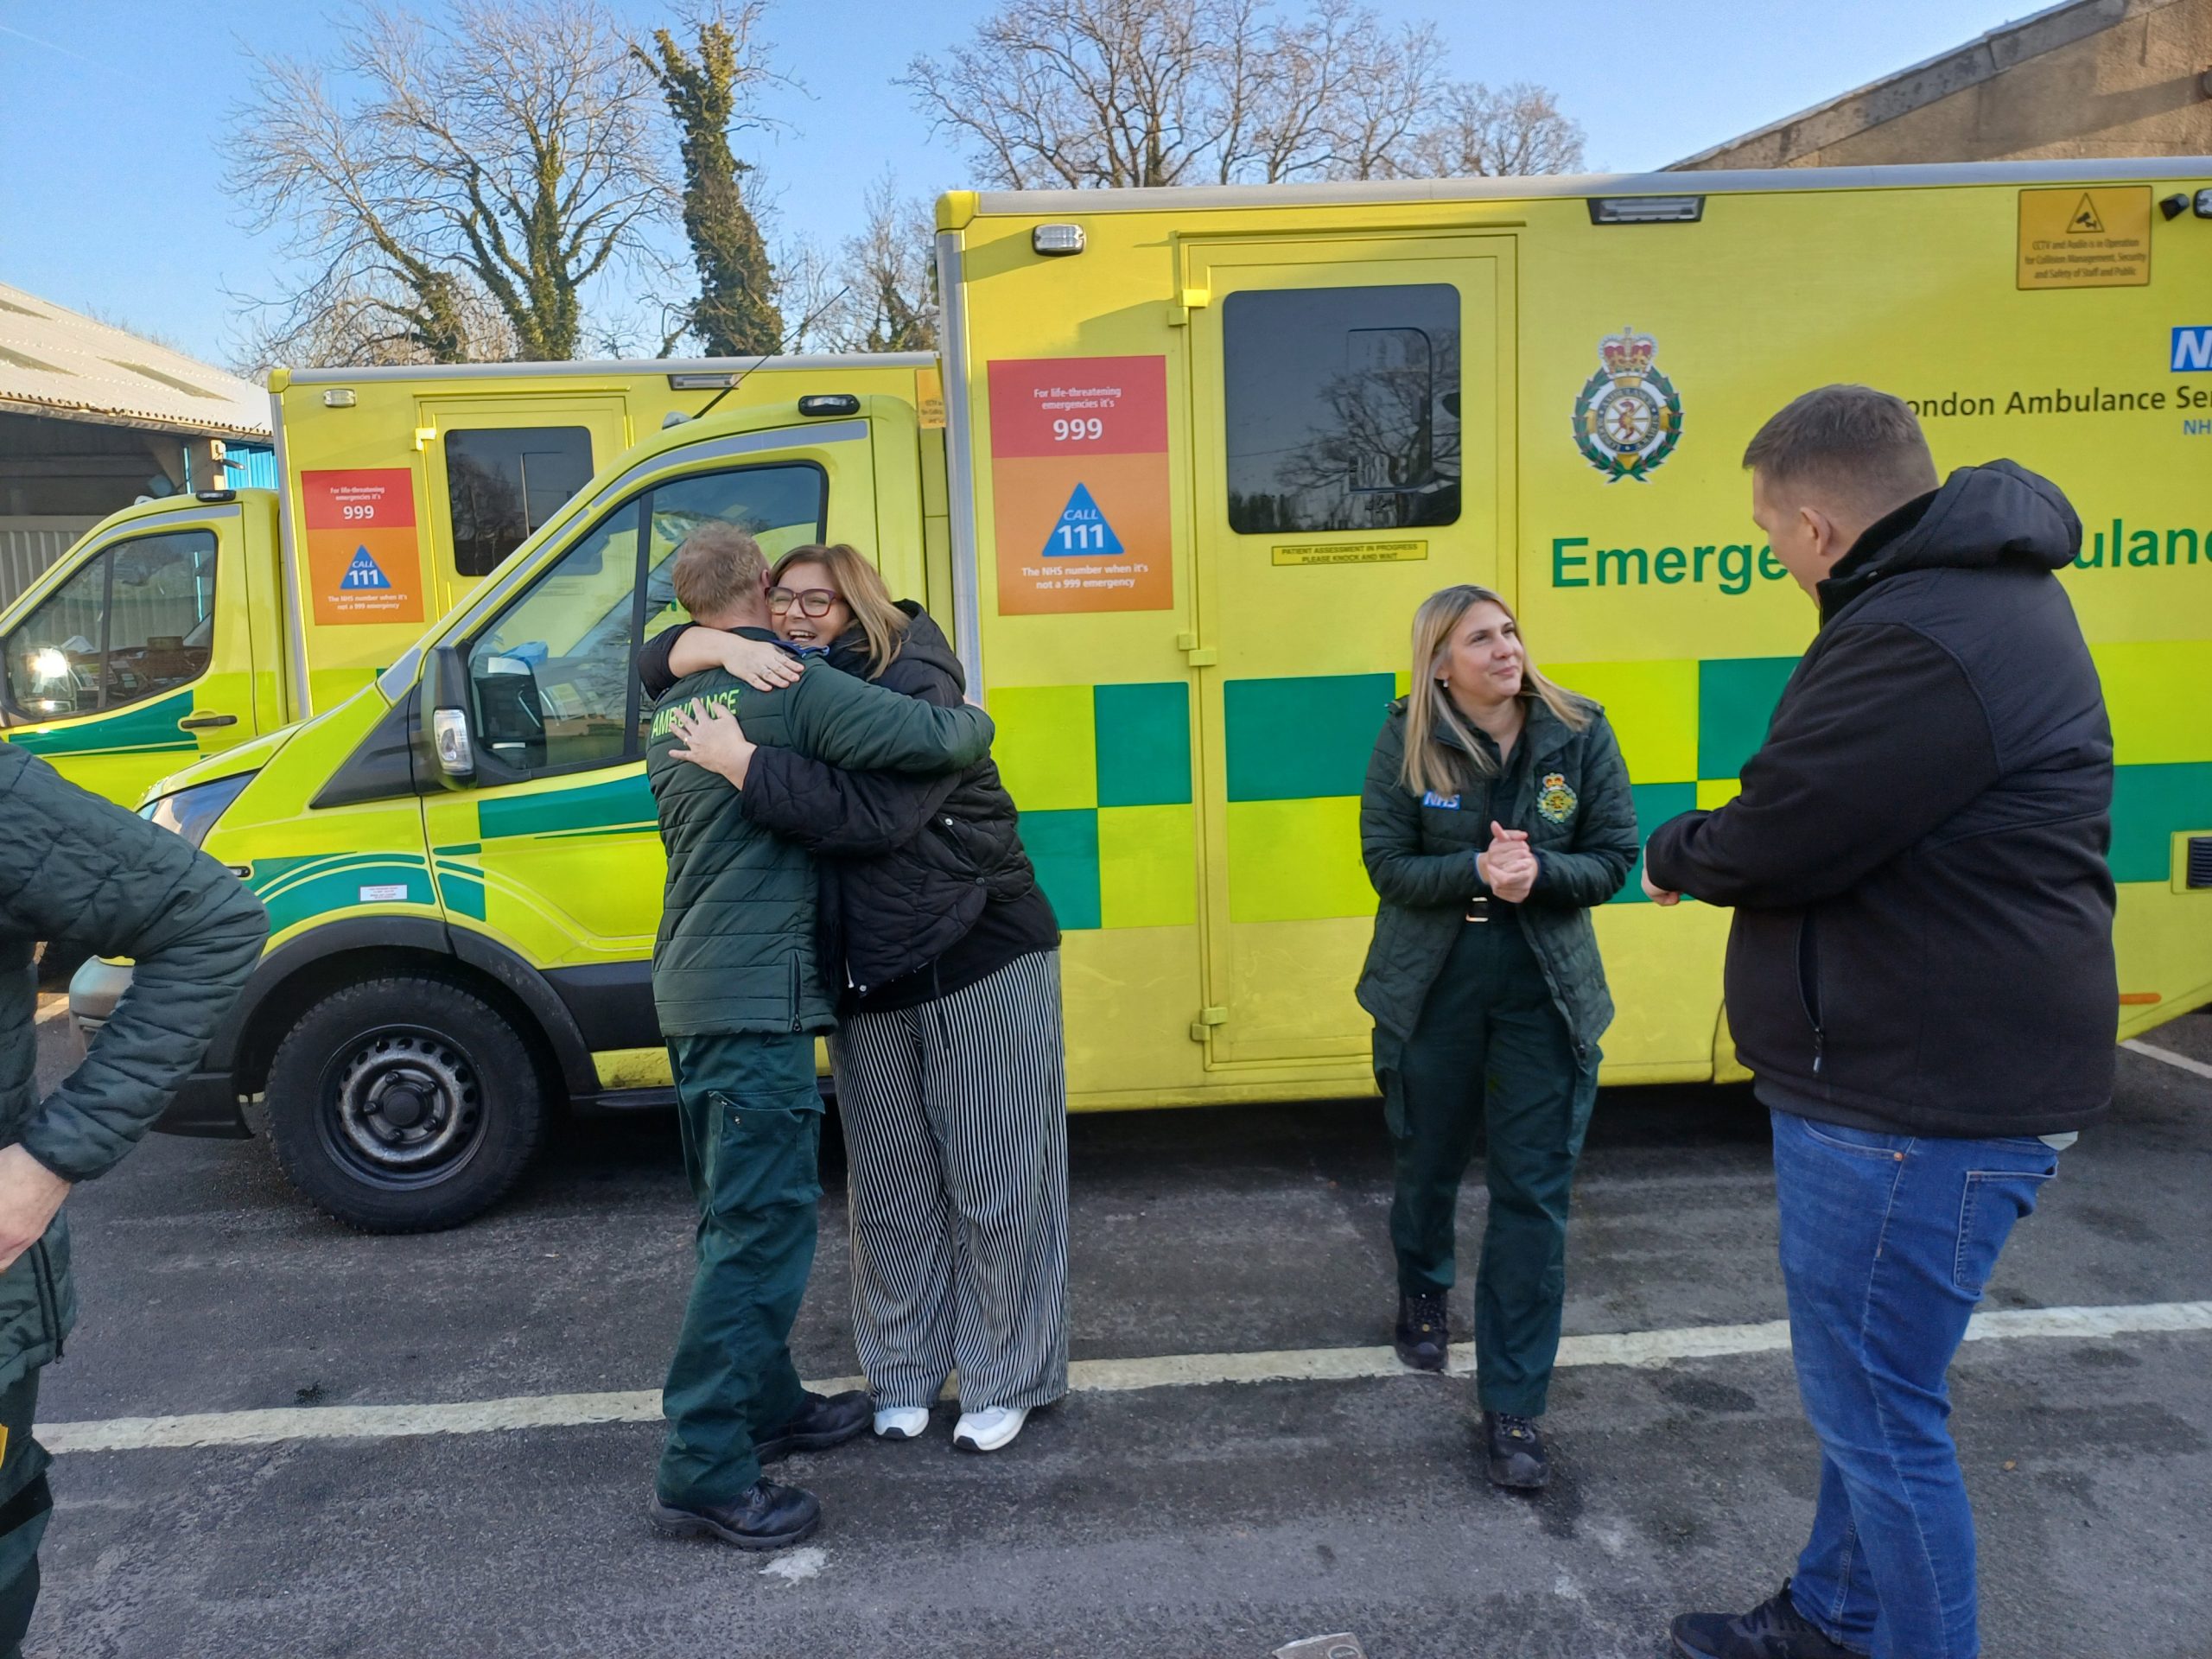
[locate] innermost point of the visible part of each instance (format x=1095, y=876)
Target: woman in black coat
x=947, y=1057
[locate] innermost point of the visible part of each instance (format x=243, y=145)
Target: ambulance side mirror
x=443, y=718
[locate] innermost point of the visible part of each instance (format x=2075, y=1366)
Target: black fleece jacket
x=1922, y=936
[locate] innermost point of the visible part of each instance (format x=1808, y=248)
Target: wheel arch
x=305, y=969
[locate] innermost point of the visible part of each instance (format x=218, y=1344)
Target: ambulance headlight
x=192, y=812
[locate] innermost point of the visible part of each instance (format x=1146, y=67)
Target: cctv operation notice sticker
x=363, y=559
x=1079, y=483
x=2077, y=238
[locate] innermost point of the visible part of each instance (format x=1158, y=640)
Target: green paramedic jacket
x=1575, y=804
x=82, y=870
x=736, y=951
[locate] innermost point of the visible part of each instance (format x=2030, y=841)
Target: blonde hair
x=716, y=569
x=882, y=622
x=1431, y=763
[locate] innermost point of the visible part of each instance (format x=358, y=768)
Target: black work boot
x=1773, y=1630
x=767, y=1515
x=1422, y=1339
x=1515, y=1451
x=826, y=1419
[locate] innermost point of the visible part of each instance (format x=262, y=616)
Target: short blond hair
x=718, y=568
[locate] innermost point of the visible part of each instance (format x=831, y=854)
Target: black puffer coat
x=907, y=862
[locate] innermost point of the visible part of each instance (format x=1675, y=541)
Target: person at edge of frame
x=83, y=873
x=1919, y=976
x=951, y=1074
x=738, y=990
x=1497, y=812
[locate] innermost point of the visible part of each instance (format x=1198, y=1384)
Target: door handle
x=199, y=722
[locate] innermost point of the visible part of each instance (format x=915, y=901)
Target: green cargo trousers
x=1490, y=1060
x=25, y=1504
x=751, y=1124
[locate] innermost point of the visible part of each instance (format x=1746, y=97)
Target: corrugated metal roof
x=58, y=362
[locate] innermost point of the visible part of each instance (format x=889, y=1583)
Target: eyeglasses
x=815, y=601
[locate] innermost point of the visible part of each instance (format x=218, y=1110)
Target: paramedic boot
x=1422, y=1339
x=1515, y=1453
x=767, y=1515
x=825, y=1421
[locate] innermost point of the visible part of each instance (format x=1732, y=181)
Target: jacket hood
x=923, y=645
x=1982, y=516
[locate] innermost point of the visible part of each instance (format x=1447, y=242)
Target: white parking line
x=1632, y=1348
x=2151, y=1050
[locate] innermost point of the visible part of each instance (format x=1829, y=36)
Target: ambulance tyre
x=405, y=1104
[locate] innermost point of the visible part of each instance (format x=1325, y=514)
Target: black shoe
x=1773, y=1630
x=1422, y=1339
x=826, y=1419
x=1516, y=1452
x=768, y=1516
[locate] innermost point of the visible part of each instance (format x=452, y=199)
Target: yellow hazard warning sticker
x=2098, y=237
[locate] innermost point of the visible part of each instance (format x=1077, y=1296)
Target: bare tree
x=1116, y=93
x=880, y=296
x=709, y=91
x=1512, y=133
x=505, y=149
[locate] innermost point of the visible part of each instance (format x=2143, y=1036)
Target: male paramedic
x=1919, y=976
x=741, y=1001
x=82, y=871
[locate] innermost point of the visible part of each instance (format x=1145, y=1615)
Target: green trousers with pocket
x=1490, y=1066
x=25, y=1503
x=751, y=1118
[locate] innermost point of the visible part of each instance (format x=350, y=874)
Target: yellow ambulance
x=180, y=628
x=1202, y=452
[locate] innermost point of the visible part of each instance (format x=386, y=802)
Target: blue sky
x=112, y=197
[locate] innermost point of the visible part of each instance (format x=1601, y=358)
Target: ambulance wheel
x=405, y=1104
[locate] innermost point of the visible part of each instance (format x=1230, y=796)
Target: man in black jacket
x=82, y=870
x=1920, y=975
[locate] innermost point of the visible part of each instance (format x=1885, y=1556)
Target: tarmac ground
x=1160, y=1509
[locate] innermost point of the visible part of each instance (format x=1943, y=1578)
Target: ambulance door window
x=503, y=482
x=554, y=678
x=138, y=620
x=1341, y=407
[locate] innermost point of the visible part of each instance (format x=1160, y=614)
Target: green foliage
x=736, y=315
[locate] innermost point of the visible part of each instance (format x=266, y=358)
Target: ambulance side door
x=496, y=468
x=553, y=847
x=139, y=659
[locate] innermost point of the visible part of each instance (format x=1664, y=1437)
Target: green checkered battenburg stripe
x=1309, y=738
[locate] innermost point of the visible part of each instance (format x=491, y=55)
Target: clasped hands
x=1508, y=866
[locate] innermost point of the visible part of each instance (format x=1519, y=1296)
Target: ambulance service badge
x=1557, y=803
x=1628, y=416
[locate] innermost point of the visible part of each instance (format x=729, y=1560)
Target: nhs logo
x=2193, y=351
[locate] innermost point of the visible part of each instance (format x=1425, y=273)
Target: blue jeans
x=1887, y=1240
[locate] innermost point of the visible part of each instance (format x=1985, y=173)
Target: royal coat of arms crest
x=1628, y=416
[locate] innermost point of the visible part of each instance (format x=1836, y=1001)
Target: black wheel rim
x=401, y=1107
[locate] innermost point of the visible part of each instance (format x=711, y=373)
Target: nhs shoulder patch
x=1450, y=803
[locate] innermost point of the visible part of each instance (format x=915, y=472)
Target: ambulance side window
x=554, y=678
x=503, y=482
x=1341, y=407
x=137, y=620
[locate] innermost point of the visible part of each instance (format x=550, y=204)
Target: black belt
x=1478, y=908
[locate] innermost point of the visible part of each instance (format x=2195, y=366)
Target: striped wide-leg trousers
x=956, y=1146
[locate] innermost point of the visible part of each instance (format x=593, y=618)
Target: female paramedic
x=950, y=1074
x=1497, y=812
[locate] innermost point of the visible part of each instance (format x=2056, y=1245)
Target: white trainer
x=901, y=1423
x=988, y=1430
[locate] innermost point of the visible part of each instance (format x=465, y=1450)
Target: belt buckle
x=1478, y=908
